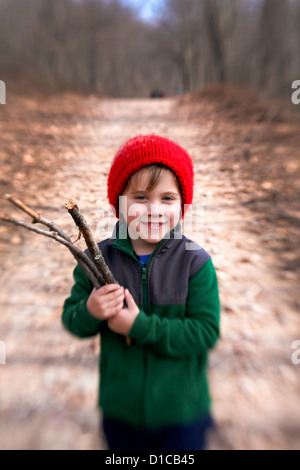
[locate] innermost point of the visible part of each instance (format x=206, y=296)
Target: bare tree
x=274, y=41
x=103, y=45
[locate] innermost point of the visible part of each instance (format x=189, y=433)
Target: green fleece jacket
x=160, y=379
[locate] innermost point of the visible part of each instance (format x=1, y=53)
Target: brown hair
x=155, y=173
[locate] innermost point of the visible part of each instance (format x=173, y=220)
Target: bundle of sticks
x=94, y=265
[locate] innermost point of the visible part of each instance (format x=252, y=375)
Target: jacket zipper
x=144, y=277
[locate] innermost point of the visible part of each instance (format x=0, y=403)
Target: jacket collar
x=120, y=238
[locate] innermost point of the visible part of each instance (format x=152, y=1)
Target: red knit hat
x=144, y=150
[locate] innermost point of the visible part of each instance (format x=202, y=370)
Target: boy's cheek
x=134, y=228
x=134, y=213
x=174, y=215
x=138, y=213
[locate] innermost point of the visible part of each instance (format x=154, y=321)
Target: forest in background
x=105, y=47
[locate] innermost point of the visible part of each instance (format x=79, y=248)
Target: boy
x=153, y=393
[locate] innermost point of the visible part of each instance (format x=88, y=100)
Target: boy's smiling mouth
x=153, y=225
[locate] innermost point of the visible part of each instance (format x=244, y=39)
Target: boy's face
x=150, y=215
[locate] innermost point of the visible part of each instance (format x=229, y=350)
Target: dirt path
x=49, y=382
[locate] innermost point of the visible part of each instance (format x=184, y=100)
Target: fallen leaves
x=246, y=177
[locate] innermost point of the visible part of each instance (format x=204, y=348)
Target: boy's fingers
x=116, y=301
x=109, y=288
x=129, y=299
x=109, y=292
x=114, y=310
x=114, y=297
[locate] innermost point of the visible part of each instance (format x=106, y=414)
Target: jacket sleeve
x=196, y=332
x=75, y=316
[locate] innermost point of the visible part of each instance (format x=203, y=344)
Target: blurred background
x=83, y=76
x=126, y=48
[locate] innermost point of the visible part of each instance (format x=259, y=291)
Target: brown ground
x=247, y=164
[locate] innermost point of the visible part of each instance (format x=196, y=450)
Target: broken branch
x=96, y=268
x=23, y=207
x=93, y=247
x=83, y=260
x=36, y=217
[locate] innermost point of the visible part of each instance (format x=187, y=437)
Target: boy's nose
x=155, y=210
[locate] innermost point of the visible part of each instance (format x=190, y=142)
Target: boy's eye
x=143, y=198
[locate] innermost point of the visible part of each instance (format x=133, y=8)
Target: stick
x=98, y=273
x=95, y=251
x=20, y=204
x=93, y=247
x=87, y=265
x=36, y=217
x=95, y=277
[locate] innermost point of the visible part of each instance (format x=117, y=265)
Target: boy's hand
x=105, y=302
x=123, y=321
